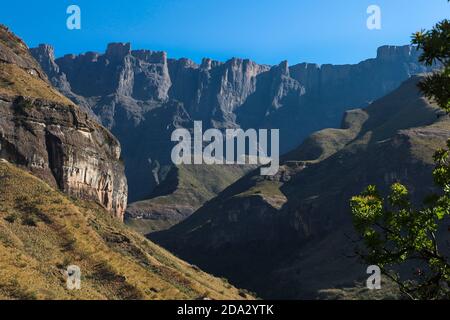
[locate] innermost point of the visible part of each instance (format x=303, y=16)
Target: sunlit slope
x=42, y=231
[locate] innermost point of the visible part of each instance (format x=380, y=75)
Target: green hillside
x=185, y=190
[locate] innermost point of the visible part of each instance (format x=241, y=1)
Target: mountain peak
x=118, y=50
x=150, y=56
x=46, y=49
x=45, y=55
x=283, y=67
x=397, y=52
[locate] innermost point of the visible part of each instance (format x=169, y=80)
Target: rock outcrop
x=45, y=132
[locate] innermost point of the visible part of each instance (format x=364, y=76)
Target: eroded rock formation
x=56, y=140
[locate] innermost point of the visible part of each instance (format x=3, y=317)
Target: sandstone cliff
x=46, y=133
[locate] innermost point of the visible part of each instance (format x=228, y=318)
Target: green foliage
x=392, y=231
x=435, y=44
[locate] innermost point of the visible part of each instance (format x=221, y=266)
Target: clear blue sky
x=267, y=31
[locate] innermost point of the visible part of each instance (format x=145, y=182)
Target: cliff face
x=238, y=92
x=56, y=140
x=127, y=89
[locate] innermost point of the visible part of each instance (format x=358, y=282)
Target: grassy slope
x=42, y=231
x=15, y=81
x=194, y=186
x=359, y=291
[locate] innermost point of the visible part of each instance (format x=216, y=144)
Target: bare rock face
x=61, y=145
x=52, y=137
x=45, y=55
x=298, y=99
x=151, y=75
x=117, y=51
x=398, y=53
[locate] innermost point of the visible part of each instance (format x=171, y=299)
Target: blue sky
x=266, y=31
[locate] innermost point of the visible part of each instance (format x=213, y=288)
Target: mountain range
x=85, y=146
x=142, y=96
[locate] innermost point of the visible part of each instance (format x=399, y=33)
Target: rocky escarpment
x=46, y=133
x=238, y=92
x=142, y=95
x=124, y=87
x=294, y=229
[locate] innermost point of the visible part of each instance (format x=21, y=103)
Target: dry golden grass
x=42, y=231
x=15, y=81
x=11, y=41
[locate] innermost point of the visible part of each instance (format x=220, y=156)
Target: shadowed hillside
x=295, y=229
